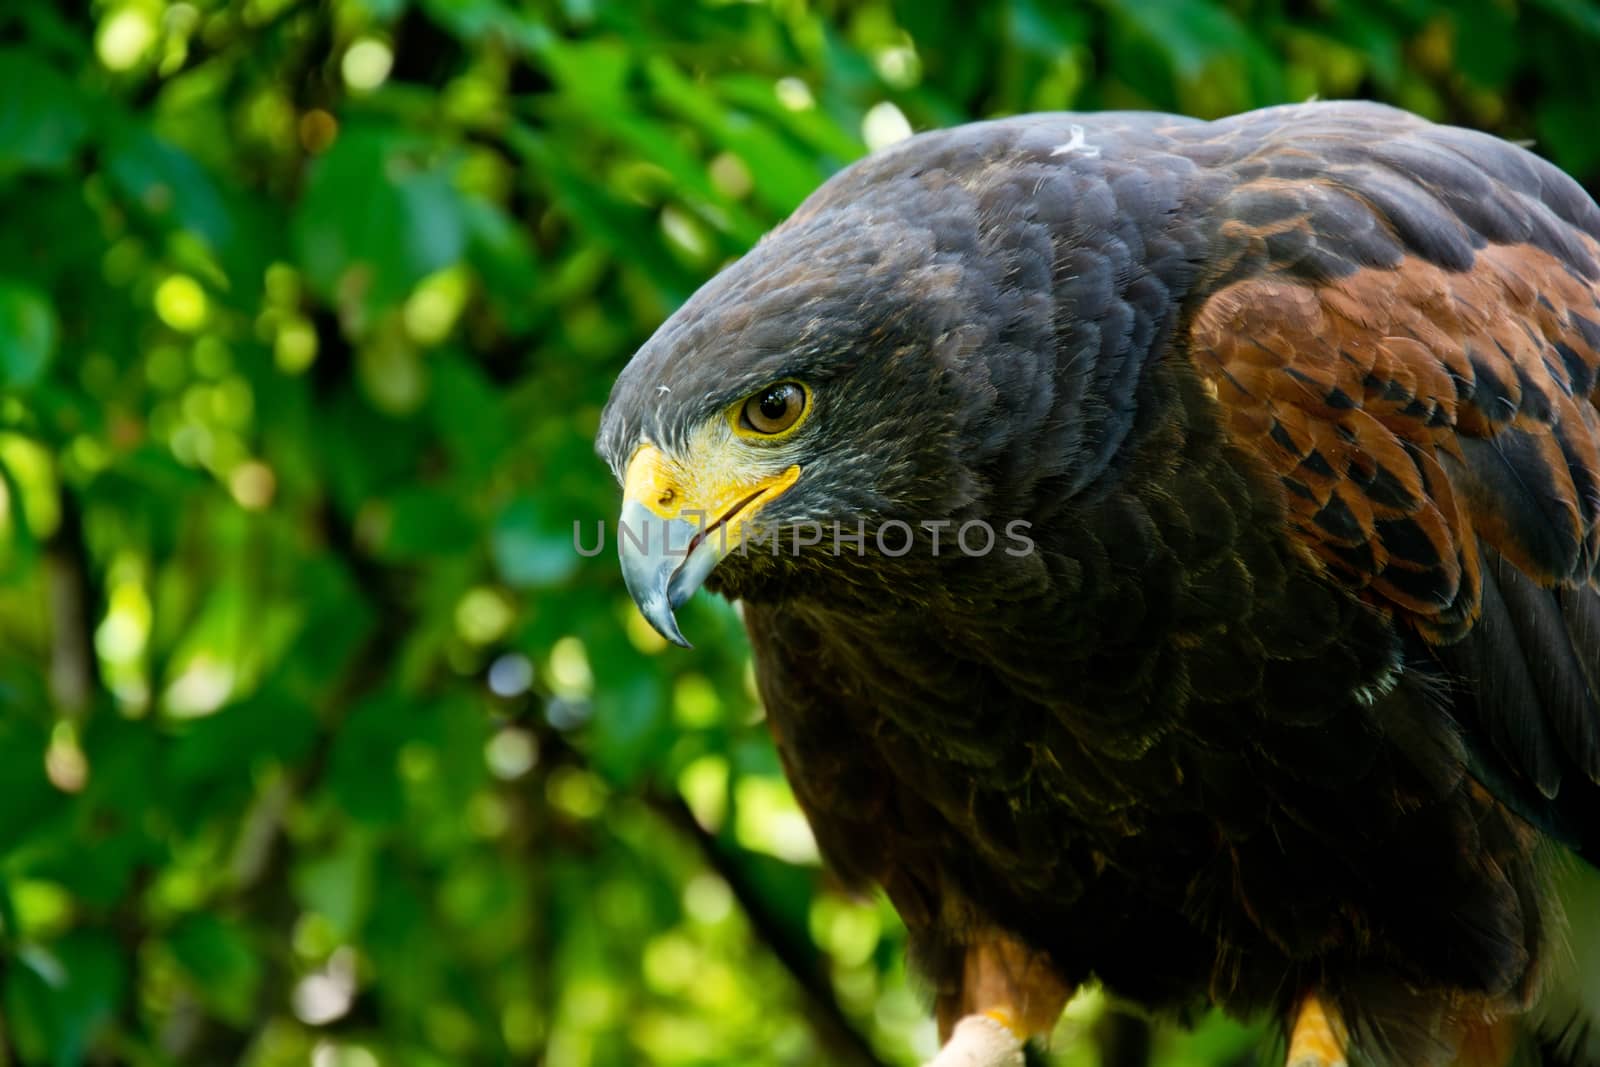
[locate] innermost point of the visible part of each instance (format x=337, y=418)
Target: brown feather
x=1367, y=390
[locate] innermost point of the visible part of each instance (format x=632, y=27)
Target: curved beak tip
x=659, y=569
x=658, y=613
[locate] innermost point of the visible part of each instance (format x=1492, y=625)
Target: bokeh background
x=319, y=743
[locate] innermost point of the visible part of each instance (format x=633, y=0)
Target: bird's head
x=803, y=387
x=869, y=363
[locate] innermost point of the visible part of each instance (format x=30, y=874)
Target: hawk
x=1169, y=551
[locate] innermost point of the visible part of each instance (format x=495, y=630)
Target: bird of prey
x=1277, y=686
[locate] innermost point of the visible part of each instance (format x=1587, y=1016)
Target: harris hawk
x=1287, y=699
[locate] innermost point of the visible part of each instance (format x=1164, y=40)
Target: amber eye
x=775, y=408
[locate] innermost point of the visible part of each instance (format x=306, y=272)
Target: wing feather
x=1432, y=417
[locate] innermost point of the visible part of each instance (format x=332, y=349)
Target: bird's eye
x=775, y=408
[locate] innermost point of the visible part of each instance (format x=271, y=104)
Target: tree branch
x=69, y=582
x=846, y=1045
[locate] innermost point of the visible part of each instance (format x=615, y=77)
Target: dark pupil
x=775, y=405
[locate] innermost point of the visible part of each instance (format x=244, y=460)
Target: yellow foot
x=1319, y=1037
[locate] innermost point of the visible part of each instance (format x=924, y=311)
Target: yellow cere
x=715, y=477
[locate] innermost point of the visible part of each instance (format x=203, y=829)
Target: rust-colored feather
x=1415, y=410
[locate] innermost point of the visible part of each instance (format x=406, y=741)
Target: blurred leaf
x=28, y=333
x=338, y=886
x=468, y=412
x=500, y=251
x=590, y=73
x=1567, y=129
x=220, y=959
x=630, y=723
x=222, y=748
x=533, y=545
x=29, y=796
x=1580, y=14
x=166, y=182
x=476, y=19
x=838, y=145
x=789, y=176
x=58, y=997
x=612, y=222
x=424, y=522
x=42, y=118
x=1191, y=32
x=1044, y=28
x=379, y=215
x=362, y=775
x=1370, y=32
x=1487, y=48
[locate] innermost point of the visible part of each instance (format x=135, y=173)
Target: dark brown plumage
x=1296, y=693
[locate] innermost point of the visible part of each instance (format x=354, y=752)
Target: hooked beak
x=673, y=532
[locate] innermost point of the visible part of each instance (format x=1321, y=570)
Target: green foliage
x=318, y=739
